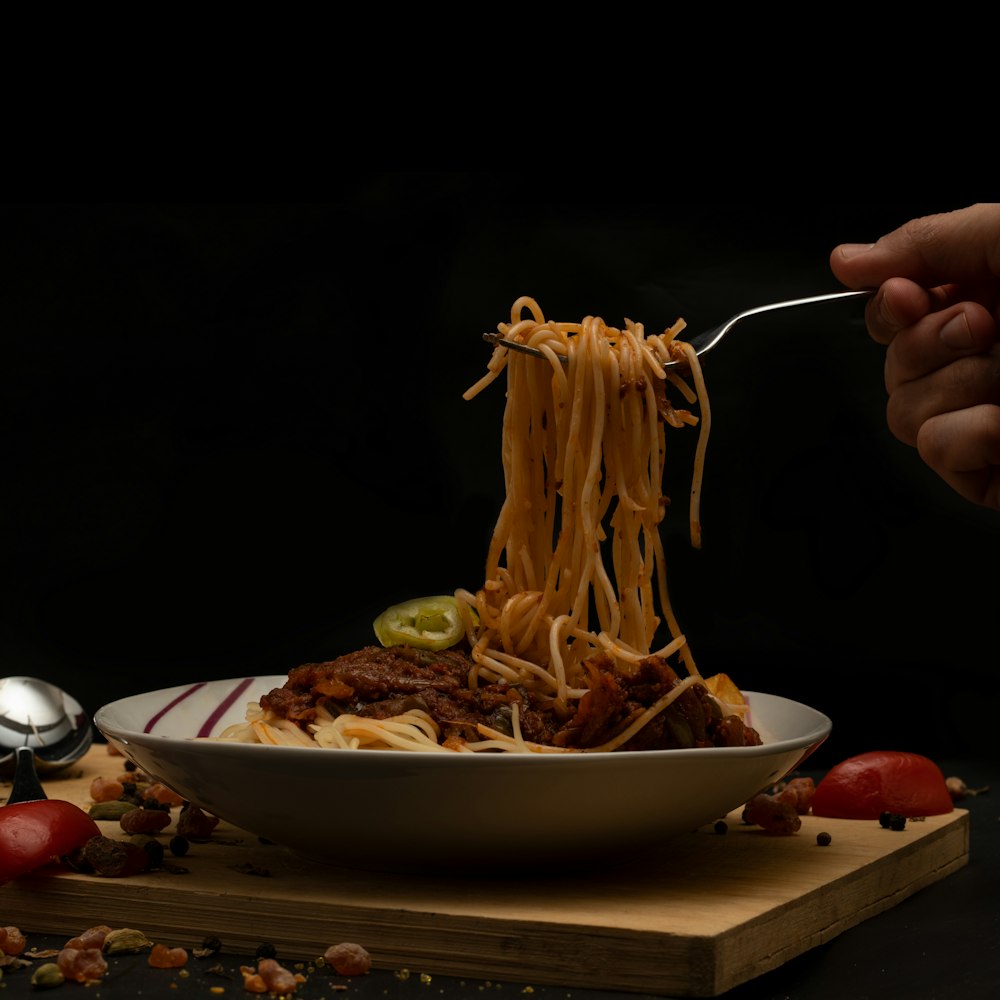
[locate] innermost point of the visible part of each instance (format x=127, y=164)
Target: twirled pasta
x=584, y=449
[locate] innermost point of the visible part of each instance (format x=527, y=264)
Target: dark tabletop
x=942, y=942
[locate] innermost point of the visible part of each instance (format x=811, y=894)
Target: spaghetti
x=575, y=586
x=584, y=450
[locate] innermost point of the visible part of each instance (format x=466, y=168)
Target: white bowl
x=390, y=810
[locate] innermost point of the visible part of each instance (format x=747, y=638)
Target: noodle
x=575, y=565
x=584, y=452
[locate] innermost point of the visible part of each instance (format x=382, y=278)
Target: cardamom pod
x=125, y=939
x=110, y=810
x=47, y=976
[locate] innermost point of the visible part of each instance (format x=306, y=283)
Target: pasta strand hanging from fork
x=576, y=563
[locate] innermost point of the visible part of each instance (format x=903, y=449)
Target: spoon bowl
x=44, y=718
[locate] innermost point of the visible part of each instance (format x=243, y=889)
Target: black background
x=232, y=433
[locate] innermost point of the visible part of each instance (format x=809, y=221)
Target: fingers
x=959, y=246
x=937, y=311
x=963, y=385
x=945, y=362
x=943, y=377
x=898, y=304
x=963, y=448
x=934, y=340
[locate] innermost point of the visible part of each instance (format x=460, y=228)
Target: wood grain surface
x=706, y=913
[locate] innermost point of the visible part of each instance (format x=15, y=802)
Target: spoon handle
x=26, y=786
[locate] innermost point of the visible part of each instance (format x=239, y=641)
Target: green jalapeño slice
x=425, y=622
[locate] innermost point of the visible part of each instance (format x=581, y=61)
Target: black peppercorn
x=210, y=946
x=266, y=951
x=179, y=846
x=721, y=826
x=823, y=839
x=892, y=821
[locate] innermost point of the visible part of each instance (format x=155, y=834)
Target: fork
x=705, y=341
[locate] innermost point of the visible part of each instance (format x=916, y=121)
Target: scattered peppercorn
x=210, y=946
x=266, y=950
x=823, y=839
x=892, y=821
x=179, y=846
x=721, y=826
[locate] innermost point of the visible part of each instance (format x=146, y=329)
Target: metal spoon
x=44, y=718
x=26, y=786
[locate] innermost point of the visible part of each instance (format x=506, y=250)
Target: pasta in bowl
x=415, y=811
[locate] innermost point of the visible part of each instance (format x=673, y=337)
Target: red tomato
x=865, y=786
x=33, y=834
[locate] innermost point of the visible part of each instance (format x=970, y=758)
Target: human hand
x=937, y=310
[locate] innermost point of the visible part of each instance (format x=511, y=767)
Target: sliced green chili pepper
x=426, y=622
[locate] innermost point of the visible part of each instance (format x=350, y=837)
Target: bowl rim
x=820, y=726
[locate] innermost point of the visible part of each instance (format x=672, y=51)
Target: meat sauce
x=380, y=682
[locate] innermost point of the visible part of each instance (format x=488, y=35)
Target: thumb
x=961, y=247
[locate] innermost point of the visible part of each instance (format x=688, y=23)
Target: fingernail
x=955, y=334
x=854, y=249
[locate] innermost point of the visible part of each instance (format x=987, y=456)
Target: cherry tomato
x=37, y=833
x=865, y=786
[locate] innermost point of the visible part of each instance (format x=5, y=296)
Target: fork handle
x=829, y=296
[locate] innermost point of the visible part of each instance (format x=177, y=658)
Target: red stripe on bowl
x=148, y=728
x=223, y=706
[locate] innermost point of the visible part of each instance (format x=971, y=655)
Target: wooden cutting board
x=708, y=913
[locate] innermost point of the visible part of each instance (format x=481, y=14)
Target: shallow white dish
x=400, y=811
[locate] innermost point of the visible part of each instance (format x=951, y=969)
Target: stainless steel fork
x=707, y=339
